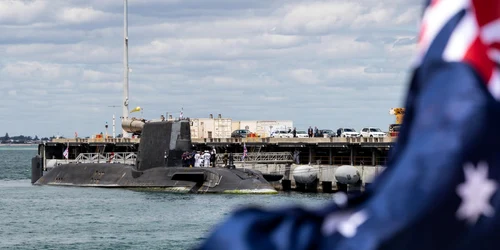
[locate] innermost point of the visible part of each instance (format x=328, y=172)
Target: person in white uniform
x=197, y=159
x=206, y=158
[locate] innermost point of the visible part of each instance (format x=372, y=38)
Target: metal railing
x=130, y=158
x=261, y=157
x=115, y=157
x=355, y=140
x=346, y=160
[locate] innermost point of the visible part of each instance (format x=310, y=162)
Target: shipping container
x=248, y=125
x=195, y=125
x=211, y=128
x=235, y=125
x=222, y=128
x=265, y=128
x=202, y=127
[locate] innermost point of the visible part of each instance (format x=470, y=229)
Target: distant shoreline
x=17, y=144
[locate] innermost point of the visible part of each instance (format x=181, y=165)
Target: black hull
x=170, y=179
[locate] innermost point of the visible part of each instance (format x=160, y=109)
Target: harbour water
x=44, y=217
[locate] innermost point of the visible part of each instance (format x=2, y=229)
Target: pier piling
x=286, y=185
x=326, y=186
x=341, y=187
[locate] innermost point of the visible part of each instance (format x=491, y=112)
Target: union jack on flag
x=466, y=31
x=245, y=151
x=66, y=152
x=440, y=187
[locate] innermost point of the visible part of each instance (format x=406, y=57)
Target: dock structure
x=319, y=151
x=267, y=155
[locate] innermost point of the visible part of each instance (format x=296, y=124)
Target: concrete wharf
x=318, y=151
x=268, y=155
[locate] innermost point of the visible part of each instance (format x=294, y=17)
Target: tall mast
x=125, y=110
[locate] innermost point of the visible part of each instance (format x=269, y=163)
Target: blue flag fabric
x=440, y=188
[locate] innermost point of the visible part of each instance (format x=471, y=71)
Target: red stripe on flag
x=477, y=56
x=495, y=45
x=434, y=2
x=486, y=11
x=422, y=32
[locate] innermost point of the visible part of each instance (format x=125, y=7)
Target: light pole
x=114, y=126
x=106, y=126
x=125, y=110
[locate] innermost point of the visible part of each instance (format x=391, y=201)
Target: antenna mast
x=114, y=125
x=125, y=110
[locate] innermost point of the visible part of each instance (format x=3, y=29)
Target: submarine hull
x=169, y=179
x=159, y=166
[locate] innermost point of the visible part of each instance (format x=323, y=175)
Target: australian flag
x=245, y=152
x=441, y=186
x=66, y=152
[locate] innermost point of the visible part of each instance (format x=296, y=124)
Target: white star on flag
x=344, y=222
x=476, y=193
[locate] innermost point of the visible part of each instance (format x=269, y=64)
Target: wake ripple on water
x=15, y=162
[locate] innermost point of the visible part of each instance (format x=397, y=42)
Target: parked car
x=328, y=132
x=347, y=132
x=302, y=134
x=372, y=132
x=394, y=129
x=281, y=134
x=240, y=133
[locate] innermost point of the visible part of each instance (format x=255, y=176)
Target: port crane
x=399, y=113
x=394, y=128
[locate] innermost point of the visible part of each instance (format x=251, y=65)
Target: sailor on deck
x=197, y=159
x=206, y=158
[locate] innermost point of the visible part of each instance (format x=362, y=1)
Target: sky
x=328, y=64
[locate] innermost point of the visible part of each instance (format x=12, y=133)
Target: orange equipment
x=394, y=128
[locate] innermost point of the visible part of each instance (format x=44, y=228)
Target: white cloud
x=273, y=41
x=81, y=15
x=305, y=76
x=344, y=47
x=321, y=17
x=243, y=59
x=18, y=12
x=102, y=85
x=31, y=70
x=94, y=75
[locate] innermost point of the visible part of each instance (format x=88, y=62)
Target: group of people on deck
x=199, y=159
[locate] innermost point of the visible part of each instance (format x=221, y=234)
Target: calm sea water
x=44, y=217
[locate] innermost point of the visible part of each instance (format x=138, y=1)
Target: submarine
x=158, y=166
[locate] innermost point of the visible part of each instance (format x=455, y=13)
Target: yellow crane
x=399, y=113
